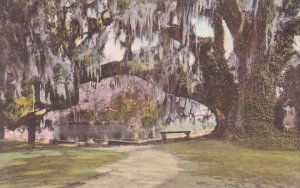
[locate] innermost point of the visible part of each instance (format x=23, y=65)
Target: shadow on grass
x=49, y=165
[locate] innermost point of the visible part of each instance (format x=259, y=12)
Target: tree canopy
x=48, y=48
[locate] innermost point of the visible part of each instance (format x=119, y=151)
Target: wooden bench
x=121, y=142
x=164, y=133
x=54, y=142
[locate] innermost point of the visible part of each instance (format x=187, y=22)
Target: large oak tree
x=49, y=48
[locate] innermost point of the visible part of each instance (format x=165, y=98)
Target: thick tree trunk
x=221, y=130
x=256, y=80
x=2, y=132
x=31, y=135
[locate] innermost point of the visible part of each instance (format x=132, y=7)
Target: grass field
x=49, y=165
x=209, y=163
x=205, y=163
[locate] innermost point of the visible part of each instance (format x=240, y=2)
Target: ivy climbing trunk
x=259, y=101
x=257, y=80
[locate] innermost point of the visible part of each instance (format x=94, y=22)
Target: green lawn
x=49, y=165
x=209, y=163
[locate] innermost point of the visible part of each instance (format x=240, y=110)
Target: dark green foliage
x=136, y=66
x=87, y=115
x=272, y=140
x=271, y=11
x=122, y=109
x=219, y=89
x=19, y=107
x=148, y=120
x=290, y=7
x=283, y=49
x=279, y=115
x=158, y=70
x=259, y=97
x=182, y=75
x=161, y=5
x=291, y=88
x=59, y=73
x=123, y=4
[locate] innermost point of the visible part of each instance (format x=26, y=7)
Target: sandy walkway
x=144, y=168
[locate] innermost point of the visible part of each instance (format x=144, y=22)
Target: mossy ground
x=212, y=163
x=49, y=165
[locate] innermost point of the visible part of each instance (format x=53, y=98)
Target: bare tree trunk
x=221, y=130
x=31, y=135
x=95, y=110
x=2, y=133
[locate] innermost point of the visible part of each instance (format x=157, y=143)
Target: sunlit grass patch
x=49, y=165
x=225, y=163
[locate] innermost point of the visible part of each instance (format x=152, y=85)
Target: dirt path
x=144, y=168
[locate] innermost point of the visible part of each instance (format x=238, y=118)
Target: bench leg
x=164, y=138
x=188, y=135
